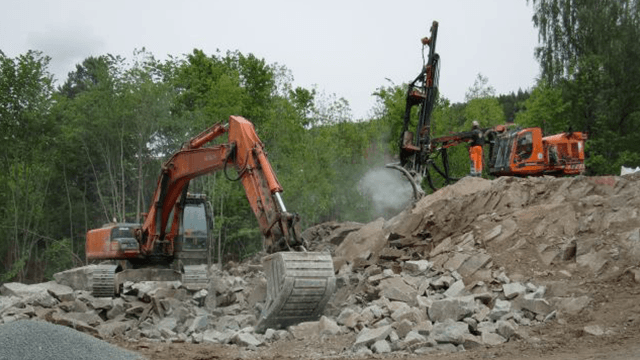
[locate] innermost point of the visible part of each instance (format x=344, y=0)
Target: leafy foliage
x=588, y=57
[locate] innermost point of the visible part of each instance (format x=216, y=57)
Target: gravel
x=29, y=339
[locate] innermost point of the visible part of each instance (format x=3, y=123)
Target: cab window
x=524, y=146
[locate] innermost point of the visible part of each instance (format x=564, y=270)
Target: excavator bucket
x=299, y=285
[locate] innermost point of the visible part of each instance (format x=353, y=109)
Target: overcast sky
x=347, y=48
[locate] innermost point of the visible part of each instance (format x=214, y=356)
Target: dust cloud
x=387, y=189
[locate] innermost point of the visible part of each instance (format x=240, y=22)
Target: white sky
x=344, y=47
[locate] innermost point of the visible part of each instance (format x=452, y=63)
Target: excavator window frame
x=524, y=146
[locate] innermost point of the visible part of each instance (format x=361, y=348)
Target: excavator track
x=104, y=281
x=299, y=285
x=195, y=277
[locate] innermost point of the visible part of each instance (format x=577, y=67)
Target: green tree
x=28, y=133
x=589, y=50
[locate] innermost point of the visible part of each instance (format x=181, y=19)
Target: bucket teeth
x=299, y=285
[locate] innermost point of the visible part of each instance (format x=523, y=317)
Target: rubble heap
x=474, y=264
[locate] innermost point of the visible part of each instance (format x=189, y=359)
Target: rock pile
x=155, y=311
x=472, y=265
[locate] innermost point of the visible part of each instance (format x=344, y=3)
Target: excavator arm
x=245, y=152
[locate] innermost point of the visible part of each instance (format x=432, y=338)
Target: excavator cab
x=192, y=244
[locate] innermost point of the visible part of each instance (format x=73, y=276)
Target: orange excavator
x=299, y=283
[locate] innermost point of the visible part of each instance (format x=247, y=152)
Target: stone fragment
x=370, y=238
x=413, y=338
x=245, y=339
x=450, y=332
x=306, y=330
x=593, y=260
x=438, y=349
x=101, y=303
x=397, y=289
x=493, y=233
x=80, y=278
x=60, y=292
x=536, y=306
x=442, y=282
x=414, y=315
x=199, y=324
x=455, y=289
x=369, y=336
x=500, y=308
x=117, y=309
x=349, y=318
x=513, y=289
x=492, y=339
x=393, y=337
x=167, y=324
x=424, y=303
x=64, y=320
x=594, y=330
x=424, y=328
x=417, y=267
x=327, y=326
x=403, y=328
x=571, y=305
x=456, y=261
x=473, y=264
x=381, y=347
x=505, y=329
x=211, y=336
x=452, y=308
x=35, y=294
x=113, y=328
x=90, y=318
